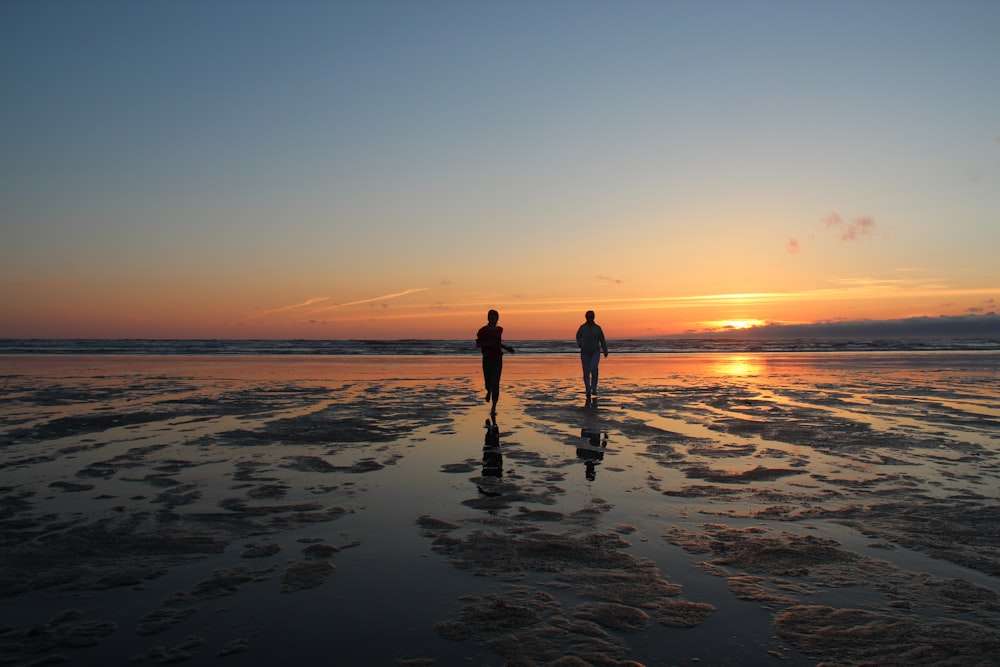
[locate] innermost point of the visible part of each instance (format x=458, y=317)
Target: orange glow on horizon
x=399, y=311
x=733, y=325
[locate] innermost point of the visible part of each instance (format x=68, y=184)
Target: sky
x=394, y=169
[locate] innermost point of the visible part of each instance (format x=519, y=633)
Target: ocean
x=467, y=347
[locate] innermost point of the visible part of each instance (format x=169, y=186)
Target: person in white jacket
x=590, y=340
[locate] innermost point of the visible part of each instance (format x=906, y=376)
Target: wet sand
x=800, y=509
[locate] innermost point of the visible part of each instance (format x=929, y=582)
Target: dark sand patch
x=528, y=626
x=161, y=619
x=268, y=491
x=223, y=582
x=757, y=474
x=468, y=466
x=860, y=637
x=128, y=549
x=375, y=416
x=433, y=523
x=806, y=565
x=613, y=616
x=727, y=451
x=305, y=574
x=233, y=647
x=62, y=427
x=180, y=652
x=319, y=464
x=320, y=550
x=264, y=550
x=71, y=487
x=64, y=631
x=487, y=552
x=960, y=531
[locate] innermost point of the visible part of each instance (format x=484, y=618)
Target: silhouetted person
x=588, y=455
x=488, y=340
x=492, y=457
x=590, y=340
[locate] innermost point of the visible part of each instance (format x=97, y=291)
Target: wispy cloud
x=989, y=306
x=294, y=306
x=609, y=280
x=837, y=290
x=306, y=307
x=374, y=299
x=850, y=231
x=792, y=247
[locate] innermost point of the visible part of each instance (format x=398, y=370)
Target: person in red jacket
x=489, y=341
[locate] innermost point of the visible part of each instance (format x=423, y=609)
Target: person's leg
x=491, y=370
x=486, y=377
x=497, y=370
x=589, y=362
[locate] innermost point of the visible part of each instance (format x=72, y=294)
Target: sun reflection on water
x=739, y=366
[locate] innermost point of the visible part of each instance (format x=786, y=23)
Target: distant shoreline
x=411, y=347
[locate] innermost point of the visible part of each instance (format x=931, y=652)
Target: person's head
x=492, y=317
x=589, y=315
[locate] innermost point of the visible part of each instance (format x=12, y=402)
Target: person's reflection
x=492, y=458
x=593, y=453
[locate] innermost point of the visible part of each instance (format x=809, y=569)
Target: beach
x=708, y=509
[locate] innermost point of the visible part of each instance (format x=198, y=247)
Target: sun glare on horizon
x=733, y=325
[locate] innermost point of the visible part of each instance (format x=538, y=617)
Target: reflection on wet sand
x=160, y=507
x=739, y=365
x=492, y=456
x=592, y=453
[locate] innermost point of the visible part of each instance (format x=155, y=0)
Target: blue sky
x=184, y=168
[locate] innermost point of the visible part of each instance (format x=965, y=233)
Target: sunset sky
x=370, y=169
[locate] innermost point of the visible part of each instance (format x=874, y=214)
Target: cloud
x=986, y=325
x=988, y=306
x=611, y=281
x=852, y=231
x=793, y=246
x=858, y=228
x=304, y=304
x=312, y=312
x=382, y=297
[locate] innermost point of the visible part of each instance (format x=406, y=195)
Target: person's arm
x=579, y=338
x=604, y=343
x=501, y=344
